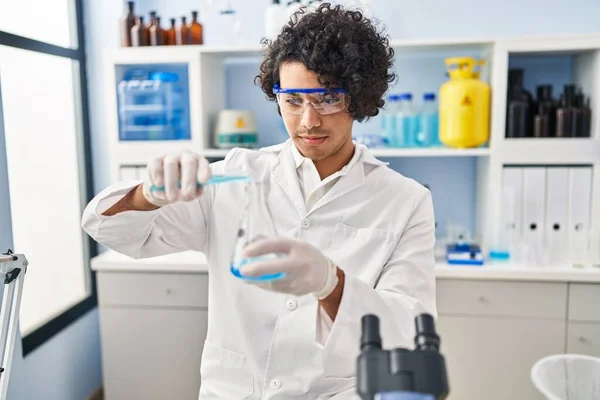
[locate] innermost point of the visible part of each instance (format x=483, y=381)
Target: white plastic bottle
x=427, y=134
x=406, y=122
x=275, y=18
x=388, y=120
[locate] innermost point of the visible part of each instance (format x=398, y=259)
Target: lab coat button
x=305, y=223
x=291, y=304
x=275, y=384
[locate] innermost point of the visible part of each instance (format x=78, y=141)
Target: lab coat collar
x=286, y=176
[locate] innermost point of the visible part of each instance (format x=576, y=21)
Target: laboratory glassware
x=406, y=122
x=428, y=122
x=139, y=34
x=582, y=116
x=213, y=180
x=545, y=119
x=171, y=34
x=182, y=36
x=195, y=30
x=157, y=33
x=127, y=22
x=256, y=223
x=388, y=119
x=519, y=122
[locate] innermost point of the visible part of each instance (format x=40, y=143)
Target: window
x=44, y=125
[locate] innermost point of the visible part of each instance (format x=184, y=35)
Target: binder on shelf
x=557, y=206
x=580, y=202
x=534, y=199
x=512, y=190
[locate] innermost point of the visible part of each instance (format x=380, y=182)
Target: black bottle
x=582, y=117
x=544, y=122
x=519, y=118
x=564, y=113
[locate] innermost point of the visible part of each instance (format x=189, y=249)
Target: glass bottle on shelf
x=582, y=116
x=388, y=120
x=182, y=36
x=151, y=20
x=519, y=121
x=127, y=22
x=256, y=223
x=157, y=33
x=139, y=33
x=428, y=134
x=171, y=34
x=544, y=122
x=195, y=30
x=406, y=122
x=564, y=113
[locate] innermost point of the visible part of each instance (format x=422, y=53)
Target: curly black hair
x=343, y=47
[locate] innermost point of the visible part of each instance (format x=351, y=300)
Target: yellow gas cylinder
x=464, y=105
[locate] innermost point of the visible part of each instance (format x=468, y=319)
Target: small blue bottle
x=388, y=120
x=428, y=133
x=406, y=122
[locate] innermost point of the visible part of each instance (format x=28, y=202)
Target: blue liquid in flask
x=256, y=223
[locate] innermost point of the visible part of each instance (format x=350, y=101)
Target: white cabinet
x=152, y=354
x=490, y=357
x=584, y=319
x=584, y=338
x=153, y=326
x=493, y=332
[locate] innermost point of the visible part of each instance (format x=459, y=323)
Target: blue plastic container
x=152, y=107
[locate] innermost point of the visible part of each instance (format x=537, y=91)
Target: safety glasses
x=324, y=101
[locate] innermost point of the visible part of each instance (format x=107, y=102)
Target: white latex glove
x=306, y=268
x=168, y=171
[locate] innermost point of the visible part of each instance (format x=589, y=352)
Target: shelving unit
x=221, y=77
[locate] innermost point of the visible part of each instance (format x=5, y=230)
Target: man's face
x=315, y=136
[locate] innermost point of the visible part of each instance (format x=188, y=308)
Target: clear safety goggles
x=324, y=101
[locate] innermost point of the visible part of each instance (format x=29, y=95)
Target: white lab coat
x=375, y=224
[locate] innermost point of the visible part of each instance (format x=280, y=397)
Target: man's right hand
x=178, y=174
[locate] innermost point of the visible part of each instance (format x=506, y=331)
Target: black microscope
x=401, y=374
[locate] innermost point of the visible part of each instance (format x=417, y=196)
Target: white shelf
x=431, y=152
x=549, y=151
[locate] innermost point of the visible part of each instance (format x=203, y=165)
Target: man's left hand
x=306, y=268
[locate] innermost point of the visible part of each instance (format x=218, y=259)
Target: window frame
x=51, y=328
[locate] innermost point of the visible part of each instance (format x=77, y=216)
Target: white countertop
x=194, y=262
x=187, y=261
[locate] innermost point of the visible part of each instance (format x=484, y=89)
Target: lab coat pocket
x=334, y=388
x=361, y=252
x=224, y=374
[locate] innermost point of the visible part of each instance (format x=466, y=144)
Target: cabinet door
x=491, y=358
x=152, y=354
x=584, y=338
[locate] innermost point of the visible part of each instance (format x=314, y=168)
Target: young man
x=357, y=237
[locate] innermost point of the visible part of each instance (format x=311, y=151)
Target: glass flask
x=256, y=223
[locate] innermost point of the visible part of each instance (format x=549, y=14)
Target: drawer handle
x=582, y=339
x=168, y=291
x=483, y=300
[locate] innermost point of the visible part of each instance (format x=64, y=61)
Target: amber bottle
x=157, y=33
x=182, y=36
x=170, y=34
x=195, y=29
x=127, y=22
x=139, y=33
